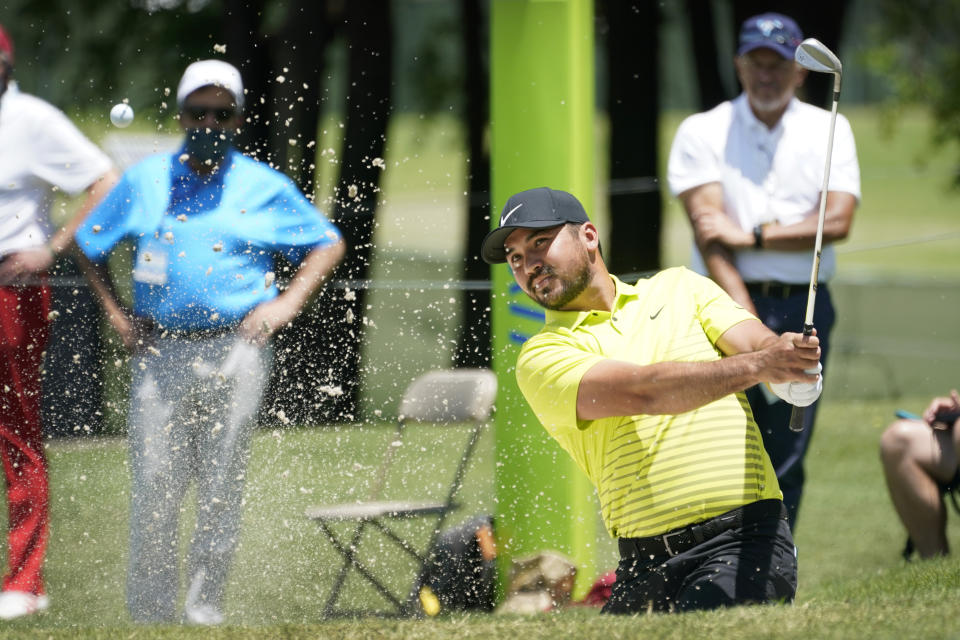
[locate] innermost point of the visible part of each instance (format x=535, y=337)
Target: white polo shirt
x=768, y=175
x=39, y=149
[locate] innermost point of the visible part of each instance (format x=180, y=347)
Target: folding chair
x=443, y=397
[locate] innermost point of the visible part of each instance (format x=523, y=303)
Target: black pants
x=753, y=564
x=787, y=448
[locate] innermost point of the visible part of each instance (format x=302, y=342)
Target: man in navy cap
x=748, y=173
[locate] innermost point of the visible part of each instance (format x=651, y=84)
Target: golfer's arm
x=717, y=258
x=745, y=337
x=837, y=220
x=617, y=388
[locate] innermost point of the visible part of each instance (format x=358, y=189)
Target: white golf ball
x=121, y=115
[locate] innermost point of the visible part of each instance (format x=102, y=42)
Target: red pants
x=23, y=338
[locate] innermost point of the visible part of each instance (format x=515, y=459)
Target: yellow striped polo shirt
x=653, y=473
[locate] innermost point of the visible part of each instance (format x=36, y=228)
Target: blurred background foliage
x=917, y=49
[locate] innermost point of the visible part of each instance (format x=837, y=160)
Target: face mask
x=208, y=146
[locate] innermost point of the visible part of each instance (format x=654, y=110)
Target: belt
x=192, y=334
x=774, y=289
x=680, y=540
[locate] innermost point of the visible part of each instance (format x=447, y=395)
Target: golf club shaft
x=796, y=415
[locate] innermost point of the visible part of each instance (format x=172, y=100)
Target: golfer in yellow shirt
x=643, y=385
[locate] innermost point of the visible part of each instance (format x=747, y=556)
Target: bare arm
x=131, y=331
x=24, y=264
x=63, y=239
x=704, y=207
x=837, y=220
x=267, y=318
x=754, y=354
x=941, y=406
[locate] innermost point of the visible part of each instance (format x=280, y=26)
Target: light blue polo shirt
x=203, y=245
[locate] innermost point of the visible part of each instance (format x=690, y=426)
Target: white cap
x=210, y=72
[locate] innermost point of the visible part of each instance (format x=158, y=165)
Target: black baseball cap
x=538, y=208
x=770, y=31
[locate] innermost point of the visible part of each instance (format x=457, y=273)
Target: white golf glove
x=799, y=394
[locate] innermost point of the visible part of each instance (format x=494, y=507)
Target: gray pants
x=190, y=419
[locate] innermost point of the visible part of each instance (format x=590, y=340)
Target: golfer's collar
x=741, y=105
x=573, y=319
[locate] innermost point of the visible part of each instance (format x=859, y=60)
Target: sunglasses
x=199, y=113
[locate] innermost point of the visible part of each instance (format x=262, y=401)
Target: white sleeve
x=692, y=162
x=62, y=155
x=844, y=168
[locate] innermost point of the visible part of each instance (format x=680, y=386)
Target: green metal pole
x=542, y=122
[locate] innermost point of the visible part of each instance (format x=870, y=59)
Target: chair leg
x=349, y=554
x=411, y=608
x=400, y=542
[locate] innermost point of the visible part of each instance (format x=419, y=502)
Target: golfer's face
x=769, y=79
x=550, y=265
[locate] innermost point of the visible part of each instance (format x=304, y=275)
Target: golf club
x=814, y=55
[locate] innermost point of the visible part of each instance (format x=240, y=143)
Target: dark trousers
x=755, y=563
x=787, y=448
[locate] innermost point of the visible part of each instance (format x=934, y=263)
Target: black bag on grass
x=461, y=571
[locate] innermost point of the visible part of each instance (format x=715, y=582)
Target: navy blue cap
x=771, y=31
x=538, y=208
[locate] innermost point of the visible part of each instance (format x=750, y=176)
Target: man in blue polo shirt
x=205, y=223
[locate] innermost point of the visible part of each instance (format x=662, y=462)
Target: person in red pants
x=40, y=151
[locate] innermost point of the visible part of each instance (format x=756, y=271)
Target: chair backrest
x=450, y=395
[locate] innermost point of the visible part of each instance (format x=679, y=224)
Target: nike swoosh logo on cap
x=653, y=316
x=507, y=215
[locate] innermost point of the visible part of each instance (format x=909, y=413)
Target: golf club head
x=816, y=56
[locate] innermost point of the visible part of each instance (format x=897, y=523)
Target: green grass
x=852, y=581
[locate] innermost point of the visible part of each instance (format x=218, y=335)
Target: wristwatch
x=758, y=237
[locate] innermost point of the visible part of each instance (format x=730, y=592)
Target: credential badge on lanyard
x=152, y=261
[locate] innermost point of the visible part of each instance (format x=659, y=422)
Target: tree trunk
x=706, y=61
x=473, y=343
x=370, y=45
x=633, y=108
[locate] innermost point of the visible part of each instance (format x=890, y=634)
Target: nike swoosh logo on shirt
x=653, y=316
x=507, y=215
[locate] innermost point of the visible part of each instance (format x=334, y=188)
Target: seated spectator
x=920, y=462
